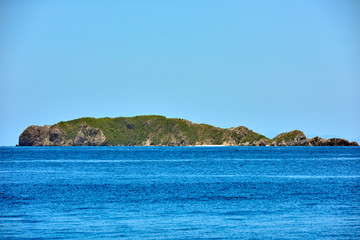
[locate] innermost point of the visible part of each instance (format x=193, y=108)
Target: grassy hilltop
x=158, y=130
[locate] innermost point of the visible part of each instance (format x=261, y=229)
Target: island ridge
x=154, y=130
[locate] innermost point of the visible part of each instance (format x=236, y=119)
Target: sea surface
x=180, y=192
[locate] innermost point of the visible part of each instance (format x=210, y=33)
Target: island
x=154, y=130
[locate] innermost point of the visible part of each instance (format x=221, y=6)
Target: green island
x=154, y=130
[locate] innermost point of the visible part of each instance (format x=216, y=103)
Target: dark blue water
x=180, y=192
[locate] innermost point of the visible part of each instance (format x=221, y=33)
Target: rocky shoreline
x=159, y=131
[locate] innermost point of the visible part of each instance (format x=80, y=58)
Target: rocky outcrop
x=318, y=141
x=298, y=138
x=293, y=138
x=159, y=131
x=241, y=131
x=42, y=136
x=338, y=142
x=87, y=136
x=247, y=137
x=55, y=136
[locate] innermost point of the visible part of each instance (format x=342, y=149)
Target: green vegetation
x=156, y=130
x=287, y=136
x=254, y=137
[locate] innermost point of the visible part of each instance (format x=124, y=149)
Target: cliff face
x=158, y=131
x=293, y=138
x=318, y=141
x=55, y=136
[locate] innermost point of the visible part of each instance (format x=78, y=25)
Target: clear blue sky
x=273, y=66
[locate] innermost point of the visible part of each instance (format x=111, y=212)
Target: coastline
x=154, y=130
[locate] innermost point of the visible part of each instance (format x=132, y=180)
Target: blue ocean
x=180, y=192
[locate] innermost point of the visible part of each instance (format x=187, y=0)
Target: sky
x=272, y=66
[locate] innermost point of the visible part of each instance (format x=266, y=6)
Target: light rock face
x=87, y=136
x=241, y=131
x=54, y=136
x=293, y=138
x=261, y=142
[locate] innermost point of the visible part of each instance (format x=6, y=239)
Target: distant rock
x=293, y=138
x=338, y=142
x=318, y=141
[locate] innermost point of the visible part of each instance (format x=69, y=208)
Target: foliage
x=287, y=136
x=254, y=137
x=158, y=130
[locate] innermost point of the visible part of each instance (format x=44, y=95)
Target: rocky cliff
x=293, y=138
x=158, y=131
x=55, y=136
x=318, y=141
